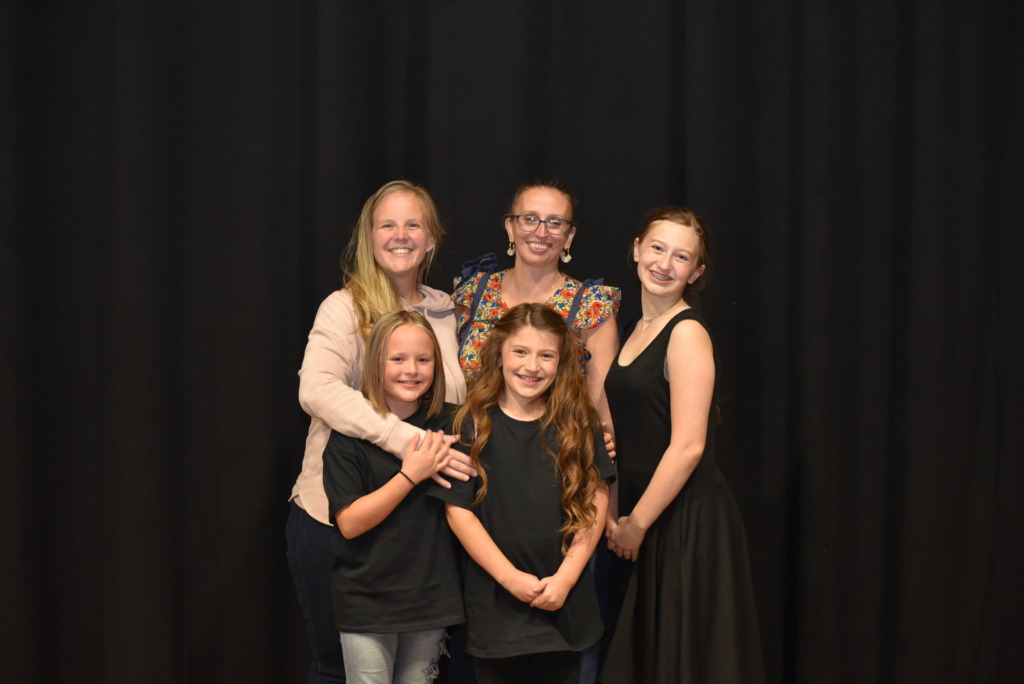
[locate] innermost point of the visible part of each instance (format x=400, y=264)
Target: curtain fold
x=178, y=180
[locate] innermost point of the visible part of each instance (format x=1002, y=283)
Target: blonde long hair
x=373, y=292
x=377, y=353
x=567, y=410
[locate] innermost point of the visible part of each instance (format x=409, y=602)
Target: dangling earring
x=566, y=257
x=511, y=251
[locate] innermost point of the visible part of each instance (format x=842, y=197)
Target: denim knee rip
x=433, y=671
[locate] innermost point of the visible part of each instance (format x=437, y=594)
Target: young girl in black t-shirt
x=533, y=517
x=394, y=570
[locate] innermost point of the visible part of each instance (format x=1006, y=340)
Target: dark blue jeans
x=309, y=558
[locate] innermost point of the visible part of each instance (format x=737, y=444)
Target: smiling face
x=408, y=369
x=668, y=258
x=401, y=238
x=529, y=364
x=540, y=247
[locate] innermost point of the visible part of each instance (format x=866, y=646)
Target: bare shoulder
x=691, y=343
x=690, y=334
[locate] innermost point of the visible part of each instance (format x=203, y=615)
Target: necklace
x=648, y=319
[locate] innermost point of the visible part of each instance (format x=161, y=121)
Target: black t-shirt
x=522, y=512
x=401, y=576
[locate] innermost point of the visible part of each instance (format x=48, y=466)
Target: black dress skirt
x=686, y=613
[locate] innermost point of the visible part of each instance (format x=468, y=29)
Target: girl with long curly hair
x=533, y=517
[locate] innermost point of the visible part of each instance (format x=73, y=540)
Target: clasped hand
x=548, y=593
x=625, y=538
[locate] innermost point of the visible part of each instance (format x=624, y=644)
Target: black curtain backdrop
x=177, y=180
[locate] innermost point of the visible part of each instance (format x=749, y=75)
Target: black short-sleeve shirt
x=401, y=576
x=522, y=512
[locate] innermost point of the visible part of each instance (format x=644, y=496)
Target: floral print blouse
x=599, y=303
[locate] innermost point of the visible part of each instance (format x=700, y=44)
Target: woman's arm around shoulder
x=422, y=460
x=329, y=380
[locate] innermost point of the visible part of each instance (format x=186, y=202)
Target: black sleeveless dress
x=686, y=614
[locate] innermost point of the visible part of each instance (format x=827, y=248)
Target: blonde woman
x=390, y=252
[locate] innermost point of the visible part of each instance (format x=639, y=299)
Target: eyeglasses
x=531, y=222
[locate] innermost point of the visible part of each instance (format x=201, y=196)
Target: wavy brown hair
x=568, y=413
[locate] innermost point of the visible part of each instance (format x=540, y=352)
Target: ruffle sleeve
x=599, y=303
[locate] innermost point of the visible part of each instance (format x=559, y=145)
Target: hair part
x=373, y=292
x=568, y=413
x=683, y=217
x=376, y=357
x=549, y=183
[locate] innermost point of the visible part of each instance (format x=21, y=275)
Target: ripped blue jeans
x=409, y=658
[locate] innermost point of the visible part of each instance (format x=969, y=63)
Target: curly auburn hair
x=568, y=410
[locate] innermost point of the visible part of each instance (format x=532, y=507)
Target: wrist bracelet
x=402, y=473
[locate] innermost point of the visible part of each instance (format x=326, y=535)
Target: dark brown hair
x=551, y=183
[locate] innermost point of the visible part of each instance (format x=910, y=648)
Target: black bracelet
x=402, y=473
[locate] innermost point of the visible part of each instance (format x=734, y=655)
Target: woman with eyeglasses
x=540, y=231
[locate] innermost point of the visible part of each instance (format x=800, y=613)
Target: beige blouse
x=329, y=388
